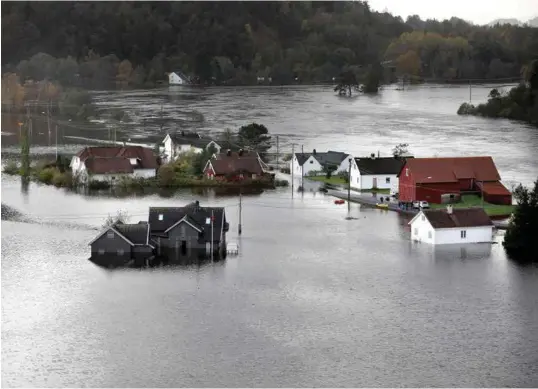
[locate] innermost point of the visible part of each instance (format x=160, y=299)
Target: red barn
x=427, y=179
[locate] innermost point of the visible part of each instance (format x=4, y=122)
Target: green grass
x=334, y=180
x=475, y=201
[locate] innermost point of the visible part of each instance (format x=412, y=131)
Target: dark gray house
x=188, y=231
x=121, y=244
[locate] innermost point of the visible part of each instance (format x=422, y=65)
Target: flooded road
x=312, y=299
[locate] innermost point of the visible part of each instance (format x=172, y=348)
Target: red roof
x=145, y=155
x=113, y=165
x=427, y=170
x=495, y=188
x=232, y=165
x=462, y=217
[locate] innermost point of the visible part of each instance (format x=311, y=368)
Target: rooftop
x=425, y=170
x=458, y=218
x=377, y=165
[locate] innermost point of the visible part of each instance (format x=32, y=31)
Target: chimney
x=229, y=153
x=240, y=152
x=449, y=209
x=314, y=151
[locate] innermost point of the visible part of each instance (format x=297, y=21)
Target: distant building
x=111, y=163
x=452, y=226
x=236, y=166
x=178, y=78
x=433, y=179
x=120, y=244
x=376, y=172
x=185, y=141
x=316, y=162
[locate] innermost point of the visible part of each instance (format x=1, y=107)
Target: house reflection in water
x=178, y=235
x=473, y=251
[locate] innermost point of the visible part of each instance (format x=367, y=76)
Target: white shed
x=177, y=78
x=452, y=226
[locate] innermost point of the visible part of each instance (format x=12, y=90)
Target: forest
x=132, y=44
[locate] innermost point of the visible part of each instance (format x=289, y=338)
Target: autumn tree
x=347, y=81
x=255, y=137
x=125, y=70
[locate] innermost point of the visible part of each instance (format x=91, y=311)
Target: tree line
x=101, y=44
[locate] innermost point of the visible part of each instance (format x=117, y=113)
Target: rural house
x=436, y=180
x=191, y=230
x=111, y=163
x=185, y=141
x=236, y=166
x=178, y=78
x=119, y=244
x=316, y=163
x=376, y=172
x=451, y=226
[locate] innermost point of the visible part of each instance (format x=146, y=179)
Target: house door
x=374, y=182
x=183, y=247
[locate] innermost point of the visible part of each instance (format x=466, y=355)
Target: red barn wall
x=406, y=185
x=432, y=192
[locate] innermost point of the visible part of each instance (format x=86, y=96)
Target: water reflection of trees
x=195, y=259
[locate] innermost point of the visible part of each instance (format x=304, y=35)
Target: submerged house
x=376, y=172
x=452, y=226
x=111, y=163
x=178, y=78
x=319, y=162
x=437, y=179
x=237, y=166
x=191, y=230
x=120, y=244
x=185, y=141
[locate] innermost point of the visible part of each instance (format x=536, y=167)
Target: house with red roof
x=111, y=163
x=436, y=179
x=236, y=166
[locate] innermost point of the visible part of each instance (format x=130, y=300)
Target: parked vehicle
x=421, y=205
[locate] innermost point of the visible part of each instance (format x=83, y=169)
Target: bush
x=466, y=109
x=46, y=175
x=94, y=184
x=11, y=168
x=282, y=183
x=166, y=176
x=62, y=179
x=285, y=170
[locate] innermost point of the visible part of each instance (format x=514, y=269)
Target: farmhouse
x=451, y=226
x=120, y=243
x=436, y=179
x=191, y=230
x=236, y=166
x=316, y=163
x=109, y=164
x=376, y=172
x=185, y=141
x=178, y=78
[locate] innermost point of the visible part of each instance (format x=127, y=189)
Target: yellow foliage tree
x=125, y=69
x=409, y=63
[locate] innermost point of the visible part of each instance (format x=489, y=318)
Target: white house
x=111, y=163
x=175, y=144
x=376, y=172
x=315, y=163
x=452, y=226
x=177, y=78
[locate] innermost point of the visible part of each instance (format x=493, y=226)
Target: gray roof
x=197, y=215
x=383, y=165
x=460, y=217
x=186, y=138
x=324, y=159
x=136, y=233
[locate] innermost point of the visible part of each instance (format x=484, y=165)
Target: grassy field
x=475, y=201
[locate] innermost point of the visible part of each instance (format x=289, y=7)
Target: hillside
x=96, y=44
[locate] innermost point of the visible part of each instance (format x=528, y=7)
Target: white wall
x=367, y=181
x=344, y=165
x=473, y=235
x=310, y=165
x=144, y=173
x=112, y=178
x=174, y=79
x=422, y=230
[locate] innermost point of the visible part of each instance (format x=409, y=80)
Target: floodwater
x=312, y=299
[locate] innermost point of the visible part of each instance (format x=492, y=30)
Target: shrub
x=166, y=176
x=282, y=183
x=46, y=175
x=62, y=179
x=94, y=184
x=285, y=170
x=11, y=168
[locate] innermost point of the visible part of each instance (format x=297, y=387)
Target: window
x=101, y=251
x=110, y=234
x=161, y=216
x=387, y=180
x=416, y=231
x=121, y=252
x=423, y=218
x=311, y=161
x=463, y=234
x=358, y=178
x=429, y=234
x=407, y=172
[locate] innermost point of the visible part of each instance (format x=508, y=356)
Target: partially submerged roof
x=425, y=170
x=231, y=165
x=113, y=165
x=459, y=218
x=377, y=165
x=134, y=234
x=324, y=158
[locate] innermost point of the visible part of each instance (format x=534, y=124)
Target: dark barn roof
x=136, y=233
x=196, y=213
x=460, y=217
x=324, y=158
x=384, y=165
x=191, y=138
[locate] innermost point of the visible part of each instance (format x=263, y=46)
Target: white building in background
x=177, y=78
x=452, y=226
x=315, y=163
x=376, y=172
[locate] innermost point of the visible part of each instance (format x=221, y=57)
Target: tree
x=255, y=137
x=531, y=74
x=520, y=238
x=121, y=218
x=346, y=81
x=125, y=70
x=400, y=149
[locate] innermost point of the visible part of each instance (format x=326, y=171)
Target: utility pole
x=349, y=188
x=48, y=119
x=470, y=92
x=277, y=154
x=302, y=171
x=212, y=217
x=240, y=211
x=56, y=132
x=292, y=166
